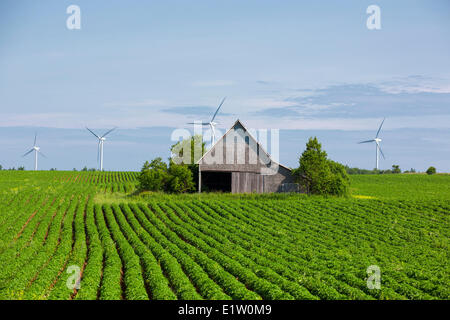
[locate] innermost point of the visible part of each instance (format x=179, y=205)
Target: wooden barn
x=237, y=163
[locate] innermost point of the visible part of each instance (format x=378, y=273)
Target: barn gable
x=238, y=163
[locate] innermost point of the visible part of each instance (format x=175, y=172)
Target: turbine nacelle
x=377, y=144
x=212, y=124
x=36, y=150
x=101, y=140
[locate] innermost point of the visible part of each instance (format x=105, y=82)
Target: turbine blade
x=381, y=151
x=35, y=136
x=28, y=152
x=379, y=129
x=98, y=151
x=93, y=133
x=367, y=141
x=108, y=132
x=42, y=154
x=223, y=100
x=203, y=123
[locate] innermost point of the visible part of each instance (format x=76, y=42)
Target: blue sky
x=308, y=68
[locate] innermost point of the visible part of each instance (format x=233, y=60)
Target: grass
x=401, y=186
x=387, y=187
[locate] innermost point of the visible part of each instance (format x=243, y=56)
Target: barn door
x=246, y=182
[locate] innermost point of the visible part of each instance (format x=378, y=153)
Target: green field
x=221, y=246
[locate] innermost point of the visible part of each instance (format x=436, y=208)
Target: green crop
x=221, y=246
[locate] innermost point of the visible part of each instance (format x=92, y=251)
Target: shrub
x=431, y=170
x=153, y=176
x=188, y=152
x=156, y=176
x=319, y=174
x=396, y=169
x=179, y=179
x=360, y=171
x=340, y=181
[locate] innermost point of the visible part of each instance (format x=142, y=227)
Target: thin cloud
x=213, y=83
x=201, y=110
x=416, y=84
x=266, y=103
x=371, y=100
x=131, y=104
x=276, y=112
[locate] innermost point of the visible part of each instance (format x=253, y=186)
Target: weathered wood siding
x=272, y=183
x=245, y=182
x=252, y=169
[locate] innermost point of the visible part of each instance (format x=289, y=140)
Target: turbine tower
x=101, y=141
x=212, y=124
x=377, y=145
x=36, y=150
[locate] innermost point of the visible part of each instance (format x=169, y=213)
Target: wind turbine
x=377, y=144
x=212, y=124
x=101, y=141
x=36, y=150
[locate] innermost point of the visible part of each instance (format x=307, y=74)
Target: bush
x=340, y=180
x=179, y=179
x=153, y=176
x=396, y=169
x=188, y=152
x=360, y=171
x=156, y=176
x=431, y=170
x=319, y=174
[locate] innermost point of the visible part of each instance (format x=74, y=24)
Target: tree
x=396, y=169
x=22, y=168
x=360, y=171
x=431, y=170
x=153, y=175
x=319, y=174
x=188, y=152
x=179, y=178
x=1, y=167
x=313, y=171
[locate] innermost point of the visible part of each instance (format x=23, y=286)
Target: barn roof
x=250, y=135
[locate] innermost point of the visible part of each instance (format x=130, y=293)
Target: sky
x=306, y=68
